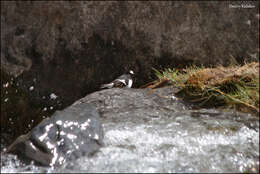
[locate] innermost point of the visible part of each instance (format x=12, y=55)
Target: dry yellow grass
x=229, y=87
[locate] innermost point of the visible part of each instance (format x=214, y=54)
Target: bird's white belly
x=130, y=83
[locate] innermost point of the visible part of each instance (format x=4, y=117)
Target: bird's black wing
x=119, y=83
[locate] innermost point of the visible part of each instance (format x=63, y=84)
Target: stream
x=205, y=140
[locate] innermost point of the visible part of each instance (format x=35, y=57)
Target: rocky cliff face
x=70, y=48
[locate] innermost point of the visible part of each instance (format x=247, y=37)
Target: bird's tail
x=108, y=85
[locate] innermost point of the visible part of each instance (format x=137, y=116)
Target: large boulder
x=135, y=104
x=77, y=131
x=67, y=135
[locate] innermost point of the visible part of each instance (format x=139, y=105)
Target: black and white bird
x=125, y=80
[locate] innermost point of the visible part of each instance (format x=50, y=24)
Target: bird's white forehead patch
x=131, y=72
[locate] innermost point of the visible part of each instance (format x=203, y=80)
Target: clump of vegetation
x=235, y=87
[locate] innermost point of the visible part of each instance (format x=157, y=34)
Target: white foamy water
x=184, y=142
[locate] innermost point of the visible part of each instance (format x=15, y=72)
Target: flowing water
x=188, y=141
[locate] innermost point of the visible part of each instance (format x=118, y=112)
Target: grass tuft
x=233, y=87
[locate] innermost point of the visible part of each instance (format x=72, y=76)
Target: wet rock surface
x=123, y=103
x=152, y=131
x=69, y=134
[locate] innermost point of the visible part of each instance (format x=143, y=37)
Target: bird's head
x=131, y=72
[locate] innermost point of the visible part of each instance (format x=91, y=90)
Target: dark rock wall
x=70, y=48
x=207, y=32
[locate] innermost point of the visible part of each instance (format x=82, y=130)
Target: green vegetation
x=233, y=87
